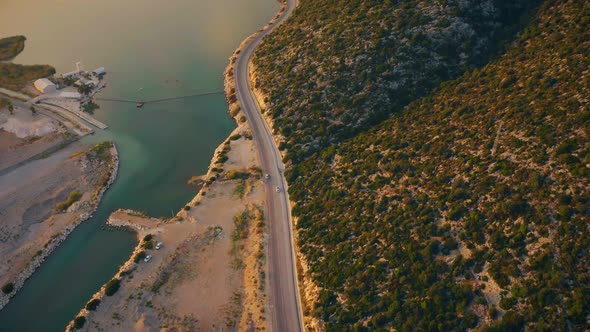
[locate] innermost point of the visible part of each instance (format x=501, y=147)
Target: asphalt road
x=285, y=305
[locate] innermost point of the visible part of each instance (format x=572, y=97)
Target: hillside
x=469, y=208
x=330, y=73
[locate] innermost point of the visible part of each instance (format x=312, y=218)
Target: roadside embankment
x=309, y=289
x=229, y=79
x=286, y=298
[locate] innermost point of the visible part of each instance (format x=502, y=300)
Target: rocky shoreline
x=39, y=259
x=126, y=266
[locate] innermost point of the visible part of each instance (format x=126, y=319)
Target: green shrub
x=147, y=245
x=112, y=287
x=79, y=322
x=148, y=237
x=74, y=197
x=507, y=302
x=93, y=304
x=139, y=256
x=232, y=175
x=8, y=288
x=100, y=151
x=510, y=322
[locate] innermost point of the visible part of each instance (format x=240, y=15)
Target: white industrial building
x=99, y=71
x=73, y=74
x=44, y=85
x=84, y=81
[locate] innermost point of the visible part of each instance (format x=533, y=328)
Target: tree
x=85, y=89
x=93, y=304
x=10, y=108
x=112, y=287
x=79, y=322
x=33, y=110
x=139, y=256
x=8, y=288
x=89, y=107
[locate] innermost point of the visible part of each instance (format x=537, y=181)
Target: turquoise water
x=151, y=49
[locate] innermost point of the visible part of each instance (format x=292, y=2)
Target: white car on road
x=278, y=189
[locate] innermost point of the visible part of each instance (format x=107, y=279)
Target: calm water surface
x=151, y=49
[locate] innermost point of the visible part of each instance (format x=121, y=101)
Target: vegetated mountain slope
x=472, y=206
x=340, y=66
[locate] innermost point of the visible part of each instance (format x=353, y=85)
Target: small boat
x=140, y=89
x=139, y=104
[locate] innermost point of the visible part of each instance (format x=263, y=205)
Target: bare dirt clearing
x=24, y=136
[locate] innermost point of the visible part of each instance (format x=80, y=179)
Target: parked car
x=278, y=189
x=159, y=245
x=267, y=176
x=147, y=258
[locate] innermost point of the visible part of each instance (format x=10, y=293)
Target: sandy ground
x=25, y=124
x=210, y=274
x=28, y=198
x=38, y=170
x=23, y=136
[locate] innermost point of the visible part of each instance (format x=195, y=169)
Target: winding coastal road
x=285, y=304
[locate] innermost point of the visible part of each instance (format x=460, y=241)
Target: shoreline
x=125, y=267
x=234, y=108
x=235, y=112
x=158, y=227
x=56, y=242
